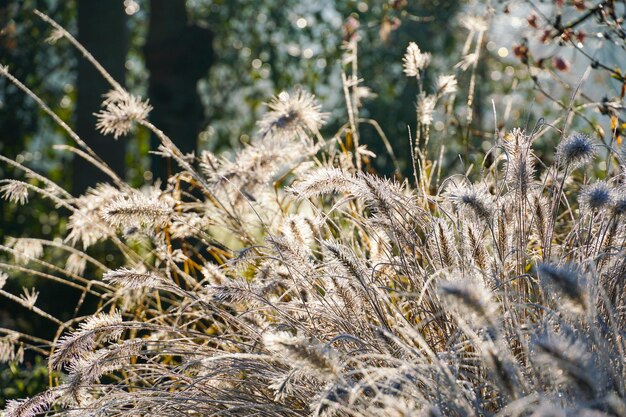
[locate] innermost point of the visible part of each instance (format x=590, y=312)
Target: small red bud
x=560, y=63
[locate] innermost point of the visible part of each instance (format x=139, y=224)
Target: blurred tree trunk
x=177, y=55
x=102, y=30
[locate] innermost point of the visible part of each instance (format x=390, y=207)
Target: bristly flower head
x=425, y=108
x=446, y=84
x=31, y=407
x=470, y=300
x=131, y=278
x=137, y=209
x=415, y=60
x=292, y=114
x=619, y=202
x=476, y=199
x=76, y=264
x=577, y=150
x=15, y=191
x=121, y=109
x=25, y=249
x=595, y=197
x=520, y=161
x=565, y=280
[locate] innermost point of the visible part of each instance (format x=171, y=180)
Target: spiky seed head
x=595, y=197
x=446, y=84
x=25, y=249
x=566, y=280
x=15, y=191
x=324, y=181
x=131, y=278
x=425, y=108
x=576, y=150
x=9, y=349
x=120, y=110
x=76, y=264
x=292, y=114
x=473, y=198
x=101, y=326
x=302, y=352
x=131, y=210
x=415, y=60
x=618, y=207
x=520, y=160
x=31, y=407
x=29, y=297
x=470, y=299
x=54, y=36
x=569, y=356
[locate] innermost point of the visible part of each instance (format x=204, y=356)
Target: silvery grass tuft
x=285, y=281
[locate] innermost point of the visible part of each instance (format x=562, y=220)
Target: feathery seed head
x=446, y=84
x=324, y=181
x=299, y=228
x=79, y=343
x=292, y=114
x=469, y=297
x=343, y=260
x=9, y=349
x=425, y=108
x=76, y=264
x=576, y=150
x=520, y=160
x=306, y=353
x=25, y=249
x=15, y=191
x=98, y=322
x=31, y=407
x=213, y=275
x=137, y=209
x=467, y=61
x=415, y=61
x=83, y=223
x=565, y=356
x=566, y=280
x=130, y=278
x=475, y=198
x=121, y=109
x=595, y=197
x=618, y=207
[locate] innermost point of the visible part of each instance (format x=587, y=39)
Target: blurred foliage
x=26, y=134
x=48, y=71
x=278, y=46
x=24, y=380
x=575, y=49
x=262, y=48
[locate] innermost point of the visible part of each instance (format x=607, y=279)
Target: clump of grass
x=285, y=283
